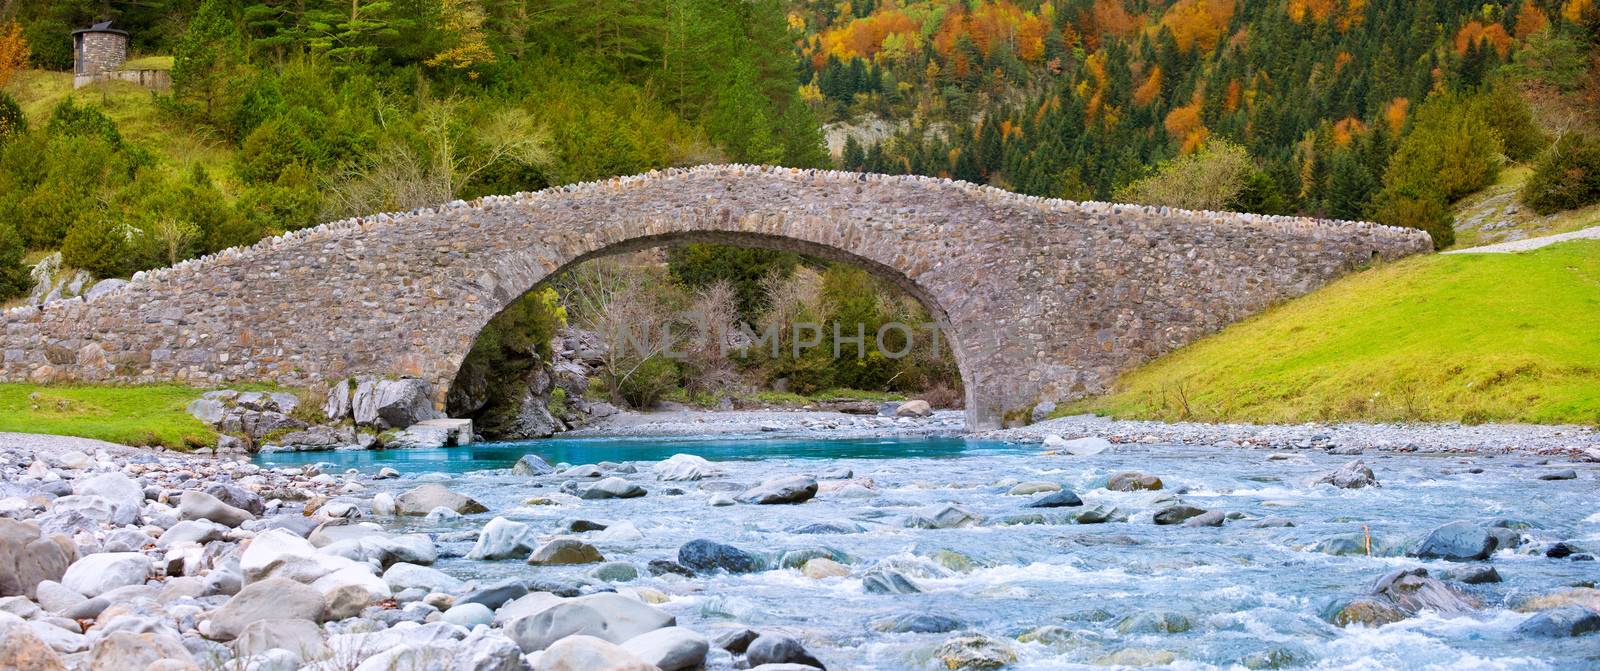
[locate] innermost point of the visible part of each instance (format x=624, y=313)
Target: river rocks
x=532, y=465
x=301, y=637
x=1561, y=622
x=1099, y=515
x=1154, y=622
x=202, y=506
x=422, y=500
x=28, y=558
x=613, y=488
x=916, y=623
x=606, y=615
x=430, y=434
x=789, y=489
x=704, y=556
x=823, y=567
x=127, y=650
x=670, y=648
x=97, y=574
x=394, y=403
x=564, y=551
x=1176, y=514
x=946, y=516
x=588, y=653
x=502, y=539
x=403, y=576
x=685, y=467
x=914, y=408
x=1031, y=488
x=770, y=648
x=270, y=599
x=1060, y=499
x=21, y=649
x=975, y=652
x=1210, y=518
x=1567, y=474
x=1352, y=475
x=886, y=580
x=1458, y=541
x=1133, y=481
x=1082, y=447
x=1411, y=591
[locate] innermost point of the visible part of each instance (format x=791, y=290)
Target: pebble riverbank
x=114, y=557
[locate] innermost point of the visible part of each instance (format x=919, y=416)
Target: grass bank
x=131, y=415
x=1470, y=338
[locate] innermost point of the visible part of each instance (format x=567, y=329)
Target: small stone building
x=100, y=52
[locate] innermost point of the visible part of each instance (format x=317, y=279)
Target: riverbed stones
x=1566, y=621
x=97, y=574
x=1458, y=541
x=887, y=580
x=301, y=637
x=532, y=465
x=1413, y=590
x=565, y=551
x=916, y=623
x=589, y=653
x=670, y=648
x=1059, y=499
x=1098, y=515
x=914, y=408
x=605, y=615
x=503, y=539
x=613, y=488
x=1566, y=474
x=783, y=490
x=704, y=556
x=195, y=505
x=1210, y=518
x=1133, y=481
x=1176, y=514
x=772, y=648
x=270, y=599
x=1352, y=475
x=975, y=652
x=685, y=468
x=942, y=516
x=403, y=576
x=822, y=567
x=28, y=557
x=1031, y=488
x=423, y=499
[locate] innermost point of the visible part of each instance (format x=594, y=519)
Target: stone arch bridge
x=1040, y=299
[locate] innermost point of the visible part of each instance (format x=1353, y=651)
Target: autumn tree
x=13, y=51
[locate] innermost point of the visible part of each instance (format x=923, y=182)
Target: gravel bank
x=679, y=423
x=1574, y=442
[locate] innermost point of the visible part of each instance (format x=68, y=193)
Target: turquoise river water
x=1247, y=597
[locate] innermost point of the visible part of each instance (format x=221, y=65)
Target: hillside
x=1468, y=337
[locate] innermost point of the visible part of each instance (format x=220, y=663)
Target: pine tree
x=206, y=57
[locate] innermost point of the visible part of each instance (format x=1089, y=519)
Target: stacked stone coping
x=366, y=224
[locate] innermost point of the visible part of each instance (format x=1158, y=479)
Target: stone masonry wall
x=102, y=52
x=1044, y=299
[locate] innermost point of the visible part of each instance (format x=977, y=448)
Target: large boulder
x=613, y=488
x=422, y=500
x=117, y=488
x=1353, y=475
x=532, y=465
x=605, y=615
x=589, y=653
x=1458, y=541
x=503, y=539
x=97, y=574
x=301, y=637
x=942, y=516
x=1133, y=481
x=281, y=553
x=401, y=403
x=788, y=489
x=28, y=557
x=21, y=649
x=1573, y=620
x=1176, y=514
x=670, y=648
x=706, y=556
x=565, y=551
x=914, y=408
x=270, y=599
x=779, y=649
x=685, y=467
x=403, y=576
x=202, y=506
x=137, y=650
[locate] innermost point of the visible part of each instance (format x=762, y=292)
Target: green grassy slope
x=1490, y=337
x=1495, y=215
x=132, y=415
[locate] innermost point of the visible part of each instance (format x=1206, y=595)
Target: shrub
x=1210, y=179
x=72, y=120
x=12, y=122
x=1451, y=149
x=98, y=245
x=1421, y=209
x=648, y=382
x=13, y=274
x=1566, y=176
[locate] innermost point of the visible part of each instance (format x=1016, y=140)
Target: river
x=1074, y=594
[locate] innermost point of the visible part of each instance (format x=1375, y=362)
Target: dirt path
x=1591, y=233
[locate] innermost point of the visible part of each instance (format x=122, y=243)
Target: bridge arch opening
x=479, y=388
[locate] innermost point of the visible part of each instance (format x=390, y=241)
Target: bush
x=1451, y=150
x=1567, y=176
x=13, y=274
x=72, y=120
x=12, y=122
x=1210, y=179
x=1421, y=209
x=651, y=380
x=98, y=245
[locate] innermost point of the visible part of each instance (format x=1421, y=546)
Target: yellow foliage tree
x=13, y=51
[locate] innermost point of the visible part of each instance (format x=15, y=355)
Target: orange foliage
x=864, y=37
x=1531, y=20
x=1474, y=32
x=1575, y=9
x=1395, y=113
x=1184, y=124
x=1353, y=15
x=1347, y=129
x=1030, y=38
x=1147, y=92
x=1315, y=10
x=1340, y=60
x=1235, y=92
x=1109, y=17
x=1198, y=23
x=13, y=51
